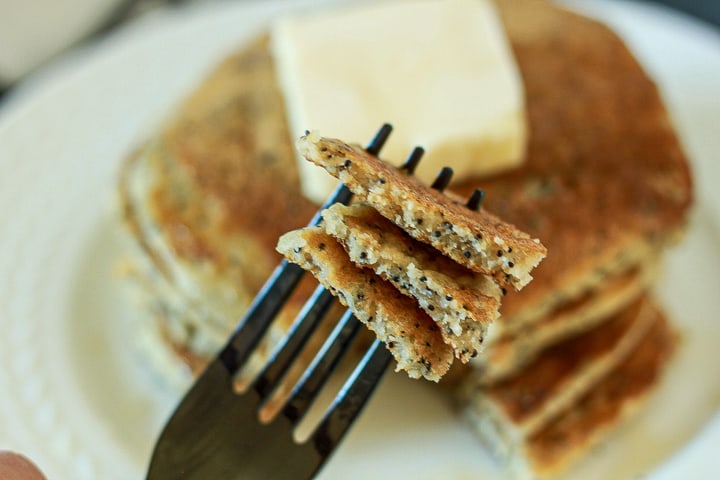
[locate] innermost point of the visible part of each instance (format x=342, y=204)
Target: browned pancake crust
x=613, y=399
x=409, y=333
x=515, y=349
x=604, y=169
x=525, y=394
x=478, y=240
x=462, y=302
x=228, y=167
x=130, y=213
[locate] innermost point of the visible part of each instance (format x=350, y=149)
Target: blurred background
x=33, y=32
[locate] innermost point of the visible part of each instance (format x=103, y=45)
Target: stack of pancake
x=205, y=200
x=605, y=186
x=421, y=270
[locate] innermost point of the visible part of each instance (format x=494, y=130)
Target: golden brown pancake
x=409, y=333
x=617, y=397
x=513, y=350
x=229, y=146
x=610, y=401
x=206, y=199
x=528, y=399
x=605, y=182
x=463, y=303
x=478, y=240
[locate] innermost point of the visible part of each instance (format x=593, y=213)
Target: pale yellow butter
x=440, y=71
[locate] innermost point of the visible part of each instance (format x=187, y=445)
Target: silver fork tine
x=318, y=372
x=352, y=397
x=305, y=324
x=379, y=139
x=262, y=311
x=216, y=432
x=279, y=287
x=276, y=290
x=443, y=179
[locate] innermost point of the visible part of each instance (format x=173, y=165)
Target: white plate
x=75, y=397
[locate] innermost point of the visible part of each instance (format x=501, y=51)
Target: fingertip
x=17, y=467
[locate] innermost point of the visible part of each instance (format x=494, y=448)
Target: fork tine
x=216, y=432
x=321, y=367
x=351, y=399
x=413, y=160
x=278, y=288
x=259, y=316
x=443, y=179
x=314, y=310
x=341, y=194
x=379, y=139
x=476, y=199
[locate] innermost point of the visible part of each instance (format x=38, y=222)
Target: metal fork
x=215, y=433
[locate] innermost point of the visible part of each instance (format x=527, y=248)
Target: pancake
x=412, y=337
x=612, y=400
x=170, y=287
x=528, y=399
x=605, y=183
x=205, y=200
x=514, y=350
x=463, y=303
x=619, y=396
x=477, y=240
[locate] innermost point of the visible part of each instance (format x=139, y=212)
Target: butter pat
x=440, y=71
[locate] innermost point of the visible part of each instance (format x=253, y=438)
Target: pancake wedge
x=463, y=303
x=412, y=337
x=611, y=402
x=478, y=240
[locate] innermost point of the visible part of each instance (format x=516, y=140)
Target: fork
x=215, y=432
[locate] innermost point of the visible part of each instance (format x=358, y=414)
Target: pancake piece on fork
x=477, y=240
x=413, y=338
x=463, y=303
